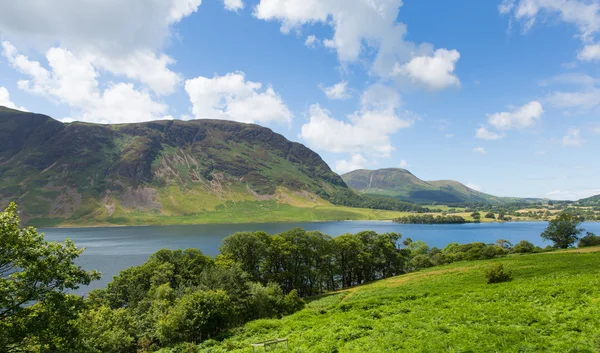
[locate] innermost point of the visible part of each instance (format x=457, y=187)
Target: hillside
x=590, y=201
x=549, y=306
x=402, y=184
x=80, y=173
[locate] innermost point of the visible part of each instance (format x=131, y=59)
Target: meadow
x=551, y=305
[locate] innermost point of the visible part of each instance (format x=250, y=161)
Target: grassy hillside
x=402, y=184
x=551, y=305
x=590, y=201
x=82, y=173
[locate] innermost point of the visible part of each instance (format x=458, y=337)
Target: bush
x=421, y=261
x=490, y=215
x=590, y=239
x=496, y=273
x=524, y=247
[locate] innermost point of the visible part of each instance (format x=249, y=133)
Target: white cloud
x=359, y=26
x=73, y=81
x=311, y=41
x=356, y=162
x=123, y=37
x=479, y=150
x=231, y=97
x=434, y=72
x=573, y=195
x=589, y=53
x=404, y=164
x=234, y=5
x=523, y=117
x=367, y=130
x=585, y=99
x=475, y=187
x=583, y=14
x=337, y=91
x=145, y=66
x=573, y=138
x=485, y=134
x=6, y=102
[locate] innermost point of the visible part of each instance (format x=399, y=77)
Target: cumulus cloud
x=356, y=162
x=367, y=130
x=585, y=99
x=589, y=53
x=311, y=41
x=123, y=37
x=6, y=102
x=584, y=15
x=337, y=91
x=573, y=138
x=73, y=81
x=522, y=117
x=485, y=134
x=359, y=27
x=480, y=150
x=233, y=5
x=404, y=164
x=231, y=97
x=434, y=72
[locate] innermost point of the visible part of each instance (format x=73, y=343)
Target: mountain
x=78, y=171
x=402, y=184
x=590, y=201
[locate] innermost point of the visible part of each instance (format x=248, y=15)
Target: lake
x=111, y=250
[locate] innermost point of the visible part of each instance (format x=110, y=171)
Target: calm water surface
x=111, y=250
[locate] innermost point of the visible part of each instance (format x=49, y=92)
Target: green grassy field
x=238, y=212
x=551, y=305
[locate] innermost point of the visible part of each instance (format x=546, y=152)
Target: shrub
x=292, y=302
x=590, y=239
x=421, y=261
x=496, y=273
x=490, y=215
x=524, y=247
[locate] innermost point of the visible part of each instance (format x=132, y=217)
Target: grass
x=551, y=305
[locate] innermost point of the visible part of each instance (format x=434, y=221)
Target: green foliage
x=34, y=276
x=590, y=239
x=421, y=261
x=430, y=219
x=196, y=316
x=490, y=215
x=563, y=230
x=524, y=247
x=496, y=273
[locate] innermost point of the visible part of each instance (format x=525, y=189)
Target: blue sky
x=501, y=95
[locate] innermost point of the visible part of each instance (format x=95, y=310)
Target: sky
x=503, y=96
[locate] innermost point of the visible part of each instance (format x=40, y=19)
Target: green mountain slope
x=590, y=201
x=402, y=184
x=80, y=172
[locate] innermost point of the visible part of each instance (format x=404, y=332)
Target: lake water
x=111, y=250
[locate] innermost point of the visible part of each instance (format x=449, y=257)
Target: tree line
x=431, y=219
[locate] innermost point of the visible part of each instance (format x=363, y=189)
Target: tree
x=34, y=278
x=590, y=239
x=563, y=230
x=490, y=215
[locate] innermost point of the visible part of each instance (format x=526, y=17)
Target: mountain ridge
x=171, y=167
x=404, y=185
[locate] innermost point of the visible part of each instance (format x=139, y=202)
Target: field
x=551, y=305
x=238, y=212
